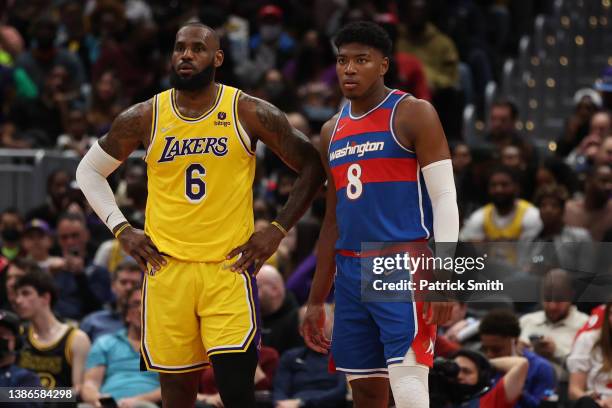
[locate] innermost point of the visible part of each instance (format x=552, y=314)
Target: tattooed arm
x=267, y=123
x=128, y=130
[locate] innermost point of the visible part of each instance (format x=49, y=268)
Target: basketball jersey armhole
x=68, y=345
x=241, y=133
x=392, y=127
x=154, y=118
x=331, y=139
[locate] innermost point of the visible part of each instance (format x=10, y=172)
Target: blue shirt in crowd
x=123, y=377
x=101, y=322
x=303, y=374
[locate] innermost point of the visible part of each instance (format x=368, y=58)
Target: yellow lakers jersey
x=510, y=232
x=200, y=176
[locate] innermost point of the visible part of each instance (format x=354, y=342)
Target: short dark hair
x=510, y=172
x=366, y=33
x=68, y=216
x=41, y=281
x=26, y=265
x=500, y=322
x=553, y=191
x=506, y=103
x=127, y=265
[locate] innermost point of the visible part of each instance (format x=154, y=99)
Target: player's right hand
x=140, y=247
x=313, y=328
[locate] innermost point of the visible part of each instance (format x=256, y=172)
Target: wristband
x=280, y=227
x=120, y=230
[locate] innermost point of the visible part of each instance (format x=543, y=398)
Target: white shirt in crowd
x=586, y=359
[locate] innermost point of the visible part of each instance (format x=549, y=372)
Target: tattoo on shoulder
x=270, y=117
x=128, y=130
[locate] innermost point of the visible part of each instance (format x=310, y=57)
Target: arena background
x=524, y=84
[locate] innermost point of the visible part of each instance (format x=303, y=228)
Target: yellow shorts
x=191, y=311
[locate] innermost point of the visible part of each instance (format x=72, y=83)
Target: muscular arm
x=129, y=129
x=419, y=129
x=326, y=265
x=268, y=124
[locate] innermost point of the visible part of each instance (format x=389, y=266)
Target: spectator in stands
x=405, y=70
x=113, y=364
x=594, y=210
x=271, y=47
x=586, y=102
x=11, y=228
x=303, y=379
x=507, y=217
x=513, y=157
x=83, y=287
x=590, y=366
x=501, y=130
x=58, y=186
x=76, y=140
x=553, y=171
x=73, y=34
x=44, y=54
x=557, y=244
x=499, y=332
x=38, y=122
x=419, y=37
x=37, y=242
x=604, y=86
x=314, y=61
x=604, y=154
x=105, y=103
x=550, y=332
x=587, y=153
x=110, y=319
x=279, y=311
x=11, y=375
x=208, y=393
x=54, y=350
x=134, y=59
x=16, y=269
x=475, y=369
x=275, y=88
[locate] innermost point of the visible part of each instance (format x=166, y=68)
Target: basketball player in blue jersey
x=199, y=302
x=390, y=179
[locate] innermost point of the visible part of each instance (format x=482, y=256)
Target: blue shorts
x=370, y=336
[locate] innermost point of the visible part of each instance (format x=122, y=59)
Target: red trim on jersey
x=377, y=171
x=377, y=121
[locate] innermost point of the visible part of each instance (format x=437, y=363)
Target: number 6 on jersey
x=195, y=187
x=354, y=187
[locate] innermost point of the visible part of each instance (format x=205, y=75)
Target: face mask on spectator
x=274, y=89
x=11, y=235
x=270, y=32
x=318, y=113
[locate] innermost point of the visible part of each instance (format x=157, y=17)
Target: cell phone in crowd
x=534, y=338
x=108, y=402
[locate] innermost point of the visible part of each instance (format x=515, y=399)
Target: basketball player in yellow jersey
x=198, y=246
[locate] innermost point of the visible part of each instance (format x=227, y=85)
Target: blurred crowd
x=68, y=67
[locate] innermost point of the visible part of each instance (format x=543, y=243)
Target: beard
x=503, y=202
x=196, y=82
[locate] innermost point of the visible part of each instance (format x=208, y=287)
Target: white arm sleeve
x=91, y=176
x=440, y=185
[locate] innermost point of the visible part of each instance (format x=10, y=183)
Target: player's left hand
x=437, y=312
x=257, y=250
